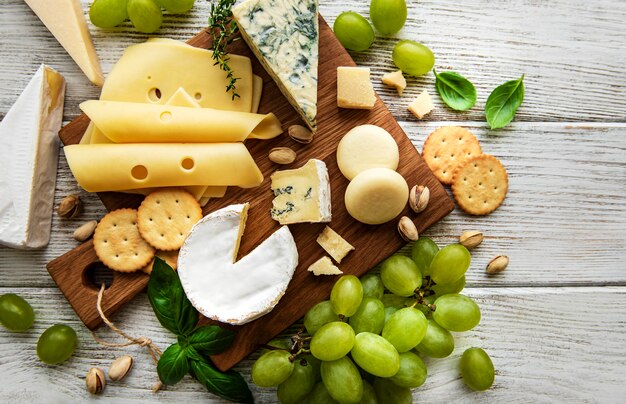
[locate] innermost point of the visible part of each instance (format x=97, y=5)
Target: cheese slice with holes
x=227, y=290
x=29, y=148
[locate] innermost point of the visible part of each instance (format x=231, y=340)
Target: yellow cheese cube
x=395, y=79
x=354, y=88
x=422, y=105
x=334, y=244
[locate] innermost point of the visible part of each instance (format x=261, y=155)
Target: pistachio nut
x=120, y=367
x=471, y=238
x=407, y=229
x=70, y=206
x=300, y=134
x=497, y=264
x=419, y=198
x=85, y=231
x=95, y=381
x=282, y=155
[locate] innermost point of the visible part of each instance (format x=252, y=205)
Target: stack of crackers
x=479, y=181
x=127, y=240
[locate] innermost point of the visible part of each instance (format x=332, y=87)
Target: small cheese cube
x=334, y=244
x=354, y=88
x=324, y=266
x=395, y=79
x=422, y=105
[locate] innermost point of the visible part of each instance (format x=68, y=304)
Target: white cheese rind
x=284, y=35
x=29, y=149
x=234, y=292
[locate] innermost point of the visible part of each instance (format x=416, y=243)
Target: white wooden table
x=554, y=322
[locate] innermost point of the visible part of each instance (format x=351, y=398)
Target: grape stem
x=294, y=356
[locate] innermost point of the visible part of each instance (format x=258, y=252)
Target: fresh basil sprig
x=455, y=90
x=189, y=354
x=503, y=102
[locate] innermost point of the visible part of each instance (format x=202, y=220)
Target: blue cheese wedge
x=284, y=36
x=230, y=291
x=302, y=194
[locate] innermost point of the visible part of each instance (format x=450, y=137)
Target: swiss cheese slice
x=65, y=19
x=230, y=291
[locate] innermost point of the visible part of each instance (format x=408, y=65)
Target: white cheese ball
x=376, y=196
x=365, y=147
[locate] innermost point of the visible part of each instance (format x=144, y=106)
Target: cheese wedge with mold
x=29, y=149
x=227, y=290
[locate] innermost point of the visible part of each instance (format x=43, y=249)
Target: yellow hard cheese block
x=132, y=122
x=116, y=167
x=354, y=88
x=334, y=244
x=151, y=72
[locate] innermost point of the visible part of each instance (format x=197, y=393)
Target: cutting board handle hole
x=95, y=274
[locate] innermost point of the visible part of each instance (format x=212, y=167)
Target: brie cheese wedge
x=29, y=150
x=228, y=291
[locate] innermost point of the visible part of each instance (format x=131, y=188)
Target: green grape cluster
x=365, y=344
x=145, y=15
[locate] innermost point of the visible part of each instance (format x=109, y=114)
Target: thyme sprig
x=223, y=30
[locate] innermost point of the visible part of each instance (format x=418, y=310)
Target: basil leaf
x=211, y=339
x=173, y=365
x=229, y=385
x=503, y=102
x=455, y=90
x=168, y=300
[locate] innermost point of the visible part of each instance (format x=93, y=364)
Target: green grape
x=369, y=394
x=448, y=288
x=353, y=31
x=372, y=286
x=375, y=355
x=400, y=275
x=320, y=395
x=389, y=312
x=272, y=368
x=332, y=341
x=298, y=385
x=342, y=380
x=389, y=392
x=422, y=253
x=318, y=315
x=108, y=13
x=477, y=369
x=388, y=16
x=391, y=300
x=346, y=295
x=315, y=364
x=56, y=344
x=449, y=264
x=370, y=316
x=412, y=372
x=405, y=328
x=413, y=58
x=437, y=343
x=145, y=15
x=176, y=6
x=15, y=313
x=456, y=312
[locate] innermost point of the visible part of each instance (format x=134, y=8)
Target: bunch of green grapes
x=365, y=344
x=146, y=15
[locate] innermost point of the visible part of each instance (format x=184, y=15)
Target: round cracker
x=170, y=258
x=448, y=148
x=118, y=243
x=166, y=216
x=480, y=185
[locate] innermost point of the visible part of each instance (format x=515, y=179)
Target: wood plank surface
x=550, y=343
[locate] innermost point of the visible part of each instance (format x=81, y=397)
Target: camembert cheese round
x=228, y=291
x=365, y=147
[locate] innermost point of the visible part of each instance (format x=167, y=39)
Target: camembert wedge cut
x=29, y=149
x=302, y=195
x=284, y=36
x=230, y=291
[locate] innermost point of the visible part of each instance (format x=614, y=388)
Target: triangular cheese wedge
x=228, y=291
x=284, y=36
x=66, y=21
x=29, y=148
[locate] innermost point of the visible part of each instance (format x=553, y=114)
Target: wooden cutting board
x=373, y=243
